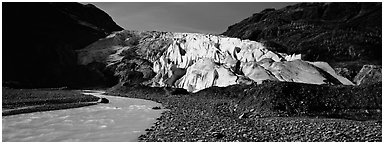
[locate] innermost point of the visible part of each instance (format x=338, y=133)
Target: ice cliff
x=194, y=61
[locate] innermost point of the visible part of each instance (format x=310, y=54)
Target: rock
x=368, y=74
x=47, y=58
x=218, y=135
x=150, y=129
x=103, y=100
x=175, y=91
x=245, y=115
x=179, y=91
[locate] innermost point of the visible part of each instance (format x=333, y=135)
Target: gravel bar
x=196, y=118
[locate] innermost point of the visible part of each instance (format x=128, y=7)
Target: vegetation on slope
x=331, y=32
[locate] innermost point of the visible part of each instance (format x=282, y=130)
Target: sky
x=201, y=17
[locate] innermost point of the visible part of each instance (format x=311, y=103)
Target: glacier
x=195, y=61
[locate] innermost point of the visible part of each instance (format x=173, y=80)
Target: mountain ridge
x=63, y=37
x=331, y=32
x=50, y=33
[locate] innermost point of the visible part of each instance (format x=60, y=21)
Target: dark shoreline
x=19, y=101
x=215, y=115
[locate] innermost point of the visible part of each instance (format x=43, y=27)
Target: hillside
x=39, y=40
x=345, y=35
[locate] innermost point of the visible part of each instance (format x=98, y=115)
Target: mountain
x=194, y=61
x=40, y=39
x=333, y=32
x=75, y=45
x=315, y=43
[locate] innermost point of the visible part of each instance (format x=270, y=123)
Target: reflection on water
x=123, y=119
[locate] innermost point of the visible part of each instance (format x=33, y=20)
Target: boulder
x=103, y=100
x=175, y=91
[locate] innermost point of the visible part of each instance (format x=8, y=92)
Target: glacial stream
x=123, y=119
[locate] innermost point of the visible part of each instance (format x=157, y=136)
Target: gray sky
x=213, y=17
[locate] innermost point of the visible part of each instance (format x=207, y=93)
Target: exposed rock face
x=368, y=74
x=39, y=40
x=195, y=61
x=331, y=32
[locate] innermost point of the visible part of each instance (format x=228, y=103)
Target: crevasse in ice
x=209, y=60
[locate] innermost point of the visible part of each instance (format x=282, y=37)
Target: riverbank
x=268, y=112
x=121, y=120
x=17, y=101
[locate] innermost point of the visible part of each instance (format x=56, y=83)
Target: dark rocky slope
x=272, y=111
x=39, y=40
x=346, y=35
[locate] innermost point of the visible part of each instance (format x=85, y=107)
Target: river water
x=123, y=119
